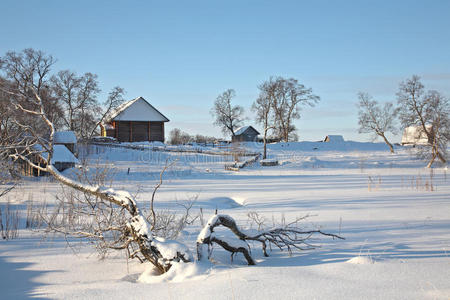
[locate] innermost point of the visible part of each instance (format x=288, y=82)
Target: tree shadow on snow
x=416, y=240
x=340, y=255
x=18, y=283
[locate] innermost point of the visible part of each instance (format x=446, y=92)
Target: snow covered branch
x=288, y=237
x=134, y=233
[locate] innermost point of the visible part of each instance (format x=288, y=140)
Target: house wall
x=61, y=166
x=157, y=131
x=28, y=170
x=109, y=132
x=245, y=137
x=137, y=131
x=123, y=131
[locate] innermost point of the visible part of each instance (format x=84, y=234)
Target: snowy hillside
x=393, y=213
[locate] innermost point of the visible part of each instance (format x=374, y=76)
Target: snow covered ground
x=393, y=213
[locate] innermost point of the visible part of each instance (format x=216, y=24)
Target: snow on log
x=172, y=250
x=140, y=226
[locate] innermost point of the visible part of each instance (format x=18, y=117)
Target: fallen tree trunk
x=287, y=237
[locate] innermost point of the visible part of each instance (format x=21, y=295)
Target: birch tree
x=264, y=111
x=287, y=98
x=78, y=95
x=227, y=116
x=430, y=111
x=115, y=98
x=375, y=118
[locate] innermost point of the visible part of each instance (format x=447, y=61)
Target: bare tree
x=135, y=234
x=203, y=139
x=89, y=107
x=24, y=69
x=78, y=94
x=8, y=131
x=66, y=85
x=179, y=137
x=376, y=119
x=115, y=98
x=430, y=111
x=227, y=116
x=287, y=97
x=263, y=109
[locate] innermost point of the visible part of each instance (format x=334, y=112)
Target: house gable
x=246, y=130
x=135, y=121
x=245, y=134
x=137, y=110
x=334, y=139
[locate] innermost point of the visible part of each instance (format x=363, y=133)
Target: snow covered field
x=393, y=213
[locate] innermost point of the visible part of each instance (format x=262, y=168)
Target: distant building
x=62, y=159
x=415, y=135
x=334, y=139
x=245, y=134
x=135, y=121
x=66, y=138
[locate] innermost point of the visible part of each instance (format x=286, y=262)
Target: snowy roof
x=334, y=138
x=64, y=137
x=415, y=135
x=60, y=154
x=243, y=129
x=137, y=109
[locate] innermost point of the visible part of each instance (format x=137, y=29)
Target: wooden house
x=245, y=134
x=66, y=138
x=415, y=135
x=334, y=139
x=62, y=159
x=135, y=121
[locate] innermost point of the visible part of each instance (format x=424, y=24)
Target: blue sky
x=180, y=55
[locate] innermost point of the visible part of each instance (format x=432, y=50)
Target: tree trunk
x=440, y=156
x=433, y=157
x=286, y=135
x=387, y=142
x=265, y=143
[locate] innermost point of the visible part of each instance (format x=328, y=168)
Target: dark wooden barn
x=135, y=121
x=245, y=134
x=62, y=159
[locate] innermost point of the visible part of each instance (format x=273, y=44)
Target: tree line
x=179, y=137
x=280, y=100
x=277, y=106
x=427, y=110
x=70, y=100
